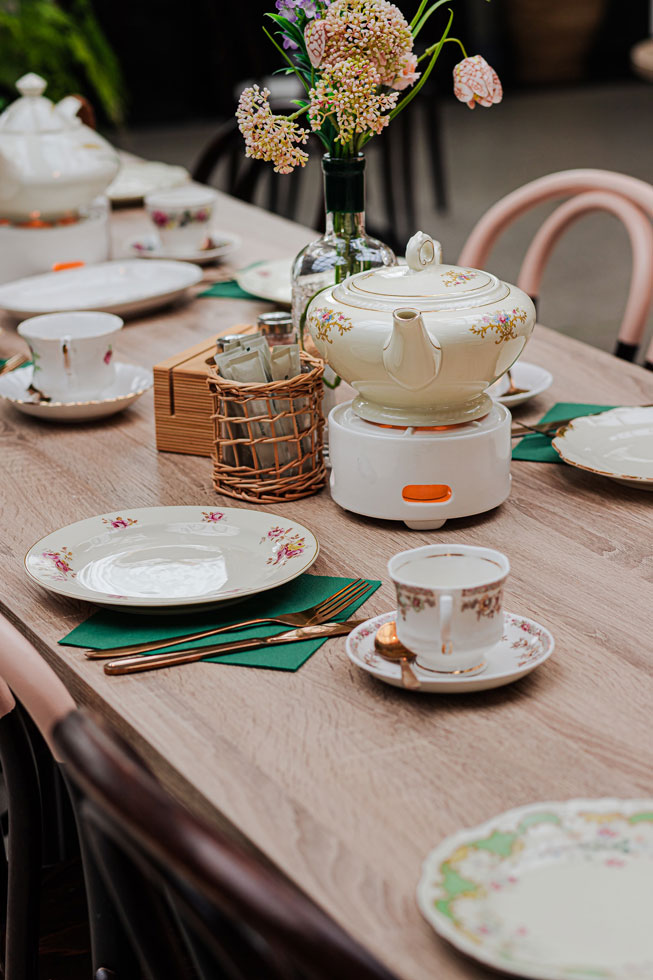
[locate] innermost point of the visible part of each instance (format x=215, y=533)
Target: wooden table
x=343, y=782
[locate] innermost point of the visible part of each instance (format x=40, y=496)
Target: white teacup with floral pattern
x=182, y=217
x=449, y=604
x=72, y=353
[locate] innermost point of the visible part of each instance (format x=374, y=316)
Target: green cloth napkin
x=110, y=628
x=227, y=290
x=537, y=447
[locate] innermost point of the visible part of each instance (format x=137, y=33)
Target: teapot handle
x=422, y=251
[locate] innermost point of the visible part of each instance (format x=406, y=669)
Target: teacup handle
x=446, y=614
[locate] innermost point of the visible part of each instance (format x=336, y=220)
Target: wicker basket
x=269, y=437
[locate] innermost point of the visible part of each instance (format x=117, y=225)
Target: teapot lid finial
x=422, y=251
x=31, y=84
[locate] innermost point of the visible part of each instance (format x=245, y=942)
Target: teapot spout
x=411, y=357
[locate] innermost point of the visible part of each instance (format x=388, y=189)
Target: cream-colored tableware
x=449, y=599
x=182, y=216
x=138, y=178
x=617, y=444
x=125, y=288
x=421, y=343
x=172, y=557
x=523, y=646
x=531, y=377
x=72, y=353
x=131, y=381
x=553, y=891
x=269, y=280
x=223, y=243
x=51, y=164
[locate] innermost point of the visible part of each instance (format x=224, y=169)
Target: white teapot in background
x=420, y=343
x=51, y=164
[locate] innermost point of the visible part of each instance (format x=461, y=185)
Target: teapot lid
x=424, y=283
x=33, y=113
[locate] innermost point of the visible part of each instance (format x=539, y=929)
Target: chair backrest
x=628, y=198
x=189, y=893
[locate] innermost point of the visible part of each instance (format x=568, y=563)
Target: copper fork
x=322, y=612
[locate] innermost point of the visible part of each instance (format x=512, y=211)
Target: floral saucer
x=524, y=645
x=130, y=383
x=149, y=247
x=553, y=891
x=533, y=378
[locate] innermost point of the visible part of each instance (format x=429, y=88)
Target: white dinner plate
x=531, y=377
x=125, y=287
x=554, y=891
x=524, y=646
x=131, y=382
x=136, y=178
x=149, y=247
x=156, y=557
x=269, y=280
x=617, y=444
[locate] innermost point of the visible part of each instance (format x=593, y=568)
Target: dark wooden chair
x=193, y=902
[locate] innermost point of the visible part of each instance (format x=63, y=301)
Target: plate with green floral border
x=555, y=891
x=170, y=557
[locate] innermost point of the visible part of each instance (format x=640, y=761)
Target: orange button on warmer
x=60, y=266
x=426, y=493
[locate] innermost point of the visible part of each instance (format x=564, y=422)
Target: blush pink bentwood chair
x=629, y=199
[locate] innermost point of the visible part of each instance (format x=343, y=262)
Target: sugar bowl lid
x=424, y=283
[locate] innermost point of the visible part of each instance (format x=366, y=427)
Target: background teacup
x=449, y=604
x=72, y=353
x=182, y=216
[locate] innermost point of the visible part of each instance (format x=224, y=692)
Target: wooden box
x=183, y=404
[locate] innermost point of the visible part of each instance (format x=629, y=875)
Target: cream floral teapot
x=51, y=164
x=421, y=343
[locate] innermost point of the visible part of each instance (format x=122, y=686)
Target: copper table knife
x=136, y=664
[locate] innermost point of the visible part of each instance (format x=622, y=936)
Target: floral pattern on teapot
x=505, y=323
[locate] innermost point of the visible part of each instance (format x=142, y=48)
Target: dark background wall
x=182, y=58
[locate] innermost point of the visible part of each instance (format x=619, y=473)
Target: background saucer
x=149, y=247
x=524, y=375
x=131, y=382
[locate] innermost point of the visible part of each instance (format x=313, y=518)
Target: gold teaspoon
x=388, y=645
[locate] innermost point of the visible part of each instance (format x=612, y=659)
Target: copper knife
x=136, y=664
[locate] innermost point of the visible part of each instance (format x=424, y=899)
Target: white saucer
x=524, y=646
x=131, y=382
x=149, y=247
x=524, y=375
x=269, y=280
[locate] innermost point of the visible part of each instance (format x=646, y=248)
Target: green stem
x=413, y=92
x=289, y=60
x=418, y=13
x=300, y=112
x=425, y=17
x=449, y=40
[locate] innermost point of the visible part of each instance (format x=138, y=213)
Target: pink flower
x=159, y=218
x=349, y=93
x=107, y=357
x=374, y=31
x=407, y=74
x=315, y=37
x=475, y=81
x=268, y=137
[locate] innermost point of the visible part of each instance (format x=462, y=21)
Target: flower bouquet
x=357, y=65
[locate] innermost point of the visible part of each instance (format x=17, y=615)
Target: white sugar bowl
x=421, y=343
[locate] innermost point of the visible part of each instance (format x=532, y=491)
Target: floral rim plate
x=532, y=377
x=149, y=247
x=617, y=444
x=131, y=382
x=123, y=287
x=268, y=280
x=524, y=646
x=555, y=891
x=171, y=556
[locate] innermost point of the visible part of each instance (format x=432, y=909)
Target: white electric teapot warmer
x=420, y=344
x=52, y=169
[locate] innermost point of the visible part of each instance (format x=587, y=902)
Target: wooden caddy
x=183, y=403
